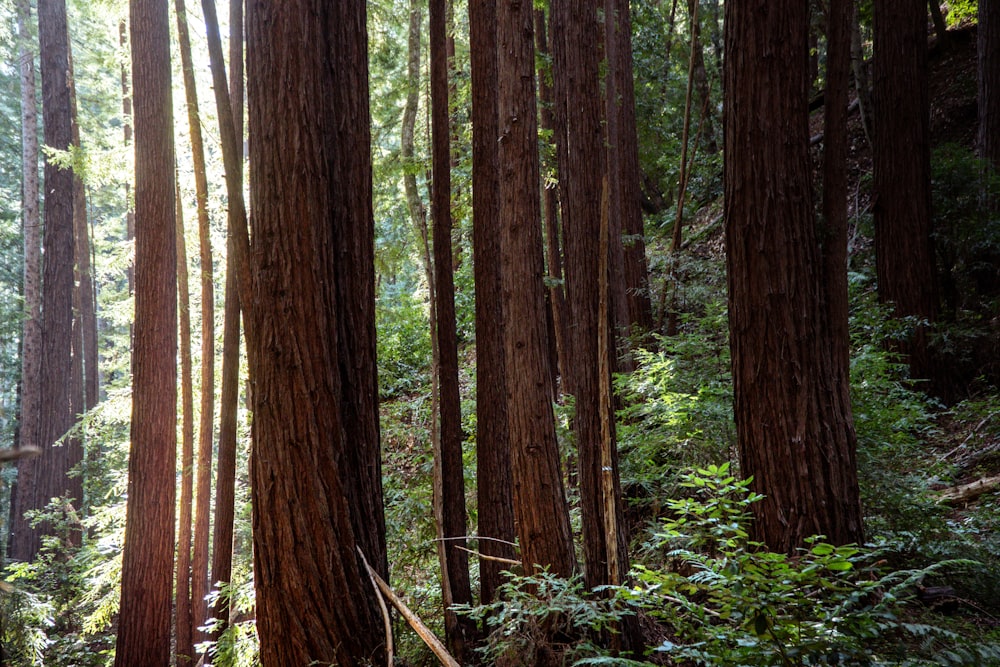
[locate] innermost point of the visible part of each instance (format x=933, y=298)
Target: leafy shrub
x=544, y=620
x=726, y=600
x=404, y=347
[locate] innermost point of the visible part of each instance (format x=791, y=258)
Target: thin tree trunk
x=540, y=508
x=225, y=486
x=232, y=158
x=183, y=615
x=859, y=67
x=624, y=173
x=701, y=84
x=550, y=207
x=206, y=428
x=31, y=340
x=988, y=46
x=840, y=17
x=455, y=568
x=127, y=135
x=148, y=553
x=493, y=464
x=937, y=17
x=56, y=417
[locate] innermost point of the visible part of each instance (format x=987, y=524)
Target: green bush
x=726, y=600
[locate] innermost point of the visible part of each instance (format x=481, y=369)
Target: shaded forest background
x=921, y=589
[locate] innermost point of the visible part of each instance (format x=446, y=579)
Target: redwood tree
x=31, y=340
x=988, y=45
x=904, y=249
x=624, y=176
x=316, y=475
x=794, y=428
x=582, y=153
x=493, y=467
x=225, y=486
x=455, y=575
x=540, y=509
x=147, y=558
x=48, y=472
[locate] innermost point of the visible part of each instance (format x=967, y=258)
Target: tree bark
x=225, y=486
x=581, y=177
x=183, y=615
x=31, y=341
x=455, y=566
x=493, y=465
x=794, y=431
x=49, y=474
x=316, y=473
x=147, y=559
x=624, y=175
x=550, y=207
x=833, y=240
x=206, y=428
x=904, y=249
x=988, y=47
x=540, y=509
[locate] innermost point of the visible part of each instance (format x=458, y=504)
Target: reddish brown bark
x=582, y=153
x=455, y=575
x=624, y=176
x=183, y=623
x=493, y=466
x=794, y=428
x=49, y=471
x=206, y=427
x=225, y=486
x=316, y=477
x=31, y=340
x=147, y=560
x=539, y=501
x=904, y=249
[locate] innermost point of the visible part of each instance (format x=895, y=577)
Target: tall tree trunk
x=794, y=430
x=859, y=67
x=50, y=470
x=937, y=17
x=206, y=428
x=86, y=392
x=550, y=206
x=147, y=560
x=904, y=250
x=540, y=508
x=183, y=616
x=701, y=85
x=31, y=341
x=316, y=472
x=232, y=160
x=988, y=46
x=493, y=464
x=127, y=135
x=624, y=176
x=840, y=17
x=225, y=486
x=456, y=587
x=576, y=75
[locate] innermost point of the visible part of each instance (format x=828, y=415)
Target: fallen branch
x=385, y=612
x=425, y=633
x=496, y=559
x=966, y=492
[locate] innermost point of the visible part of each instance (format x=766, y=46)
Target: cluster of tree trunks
x=306, y=289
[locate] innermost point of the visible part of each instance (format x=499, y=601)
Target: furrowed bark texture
x=316, y=477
